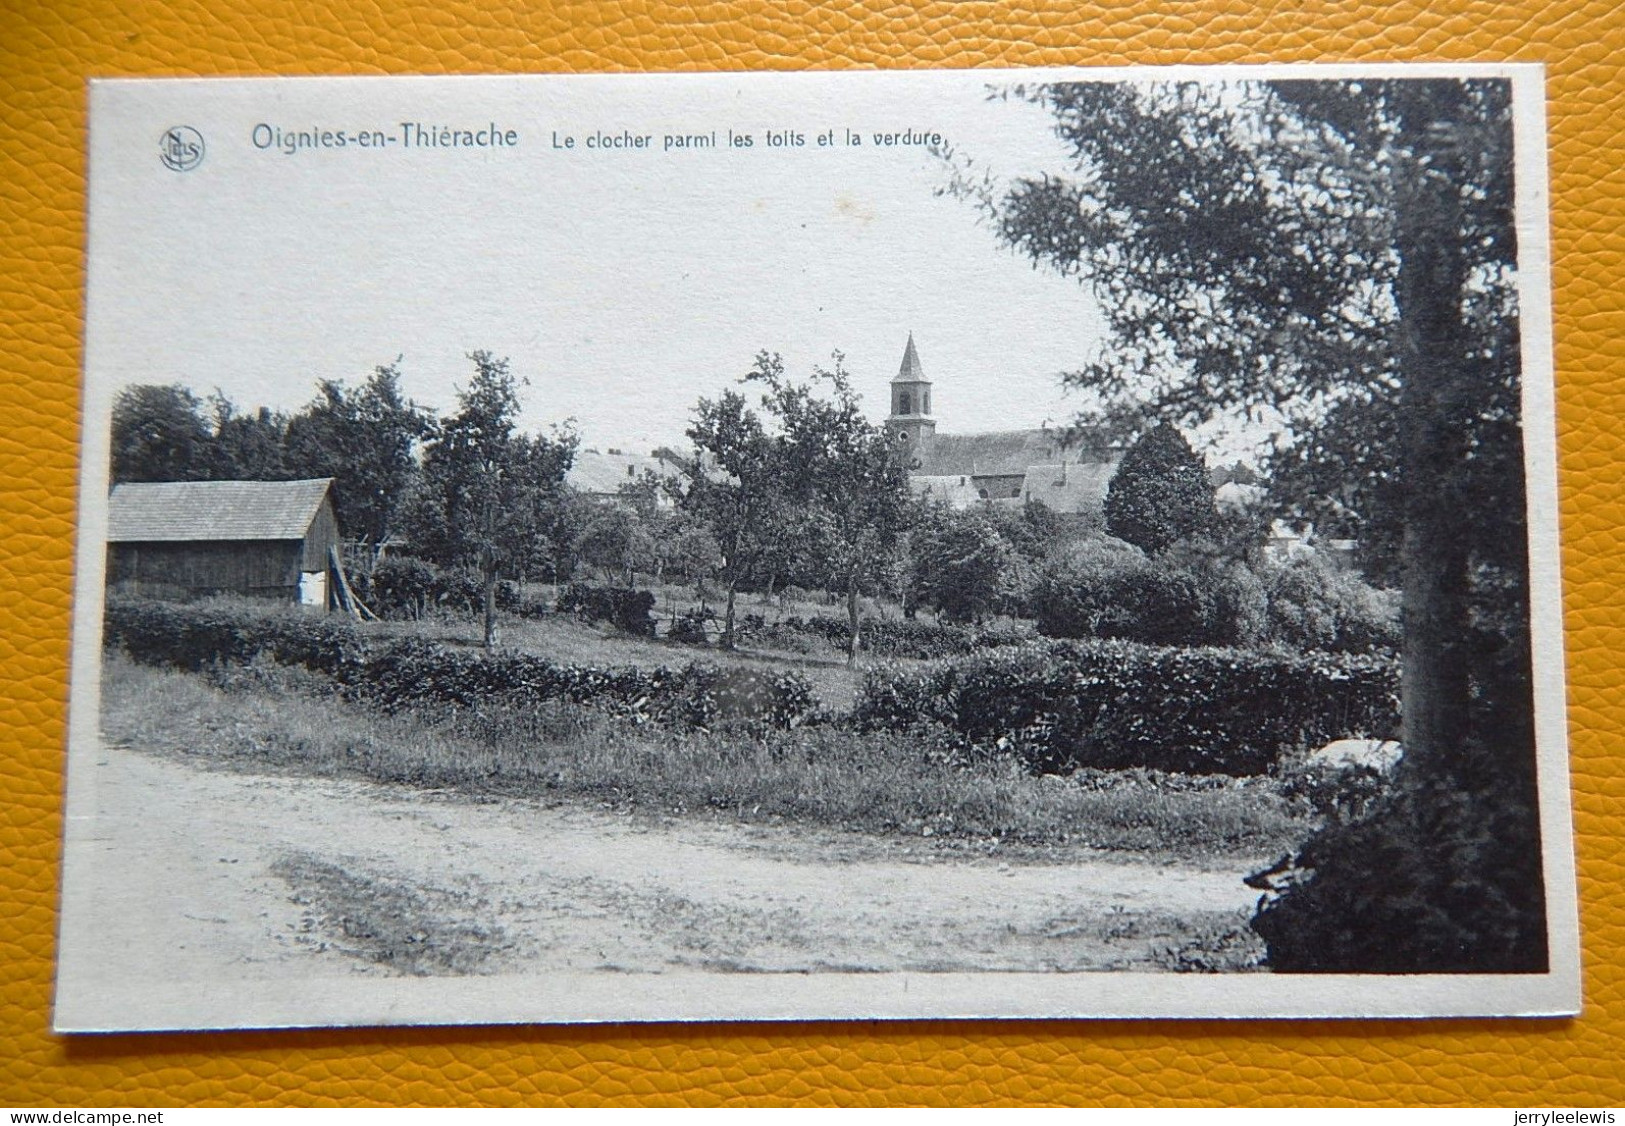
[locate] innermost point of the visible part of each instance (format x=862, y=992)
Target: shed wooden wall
x=264, y=568
x=322, y=534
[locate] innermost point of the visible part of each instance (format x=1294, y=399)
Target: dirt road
x=209, y=875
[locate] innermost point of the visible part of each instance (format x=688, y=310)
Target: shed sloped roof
x=189, y=511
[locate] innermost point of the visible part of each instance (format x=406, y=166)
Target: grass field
x=265, y=716
x=564, y=639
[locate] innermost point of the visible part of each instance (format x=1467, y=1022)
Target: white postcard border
x=87, y=1005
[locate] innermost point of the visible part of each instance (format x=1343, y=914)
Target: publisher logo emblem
x=181, y=148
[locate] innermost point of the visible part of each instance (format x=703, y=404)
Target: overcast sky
x=623, y=285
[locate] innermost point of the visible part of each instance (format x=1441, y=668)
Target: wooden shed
x=184, y=539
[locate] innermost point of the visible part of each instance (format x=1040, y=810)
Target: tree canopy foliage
x=1341, y=256
x=850, y=475
x=739, y=485
x=490, y=493
x=962, y=564
x=1160, y=493
x=160, y=434
x=802, y=474
x=366, y=438
x=1342, y=253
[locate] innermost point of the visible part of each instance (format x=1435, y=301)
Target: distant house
x=1072, y=486
x=952, y=490
x=184, y=539
x=602, y=475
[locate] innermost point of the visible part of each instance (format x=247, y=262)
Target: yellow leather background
x=47, y=50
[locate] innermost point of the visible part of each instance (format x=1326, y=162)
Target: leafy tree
x=1341, y=254
x=613, y=540
x=650, y=499
x=1036, y=530
x=799, y=555
x=490, y=493
x=739, y=486
x=248, y=447
x=1160, y=492
x=160, y=434
x=851, y=473
x=367, y=439
x=565, y=525
x=541, y=463
x=403, y=586
x=961, y=564
x=694, y=551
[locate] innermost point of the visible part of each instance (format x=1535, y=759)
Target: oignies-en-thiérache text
x=405, y=135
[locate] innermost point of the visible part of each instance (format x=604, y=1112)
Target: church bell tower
x=910, y=420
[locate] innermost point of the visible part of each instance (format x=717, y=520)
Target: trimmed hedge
x=1057, y=706
x=1062, y=706
x=409, y=673
x=698, y=695
x=192, y=637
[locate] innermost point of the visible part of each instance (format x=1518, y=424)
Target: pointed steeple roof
x=911, y=371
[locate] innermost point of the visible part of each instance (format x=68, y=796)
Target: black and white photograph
x=1050, y=543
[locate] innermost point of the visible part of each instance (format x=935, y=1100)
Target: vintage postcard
x=1053, y=543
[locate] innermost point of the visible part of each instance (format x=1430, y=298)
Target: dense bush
x=411, y=672
x=1061, y=706
x=631, y=611
x=461, y=590
x=1312, y=607
x=1436, y=878
x=1331, y=790
x=403, y=587
x=532, y=602
x=961, y=567
x=1110, y=590
x=1072, y=597
x=688, y=628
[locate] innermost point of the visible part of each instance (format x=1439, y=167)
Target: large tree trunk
x=727, y=639
x=852, y=620
x=490, y=598
x=1434, y=680
x=1435, y=684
